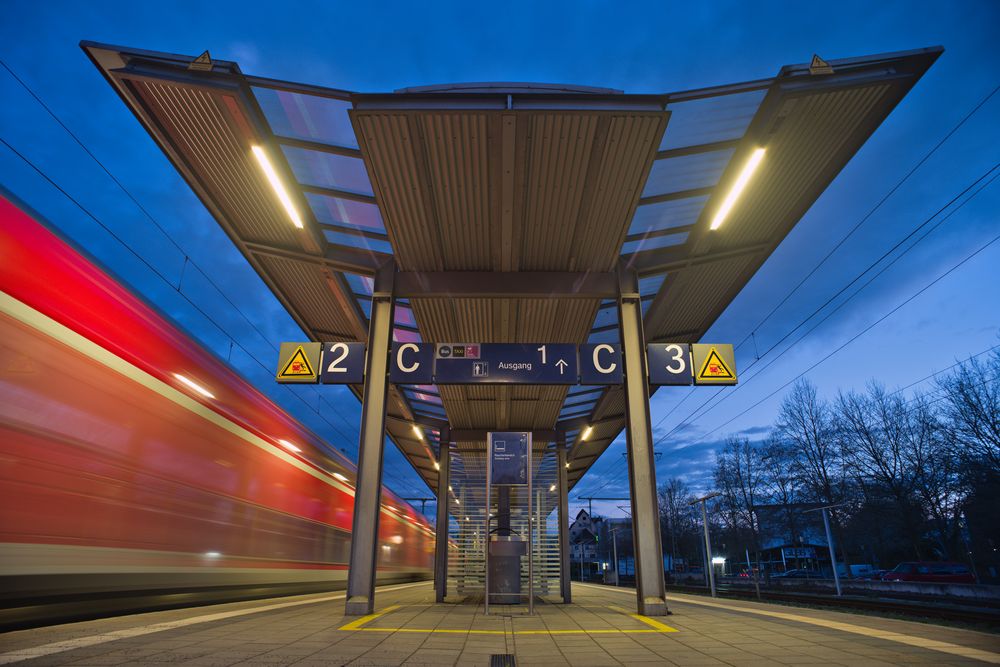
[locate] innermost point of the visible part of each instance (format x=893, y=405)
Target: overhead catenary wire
x=722, y=395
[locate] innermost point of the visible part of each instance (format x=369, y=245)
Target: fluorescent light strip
x=194, y=385
x=734, y=192
x=279, y=189
x=587, y=432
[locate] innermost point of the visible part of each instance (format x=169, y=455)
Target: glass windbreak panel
x=327, y=170
x=360, y=284
x=309, y=117
x=650, y=285
x=654, y=242
x=667, y=215
x=358, y=242
x=345, y=212
x=686, y=172
x=710, y=119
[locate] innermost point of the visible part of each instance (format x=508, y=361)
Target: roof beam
x=473, y=434
x=506, y=285
x=340, y=258
x=655, y=262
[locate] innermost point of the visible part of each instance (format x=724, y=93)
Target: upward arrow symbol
x=562, y=365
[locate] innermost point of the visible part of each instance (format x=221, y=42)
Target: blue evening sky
x=638, y=47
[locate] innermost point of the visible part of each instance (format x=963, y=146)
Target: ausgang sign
x=508, y=363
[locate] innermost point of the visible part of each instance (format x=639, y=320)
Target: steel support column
x=368, y=492
x=563, y=490
x=649, y=585
x=441, y=525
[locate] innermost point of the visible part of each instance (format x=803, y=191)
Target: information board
x=505, y=363
x=509, y=457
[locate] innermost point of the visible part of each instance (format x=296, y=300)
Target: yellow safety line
x=356, y=624
x=513, y=632
x=660, y=627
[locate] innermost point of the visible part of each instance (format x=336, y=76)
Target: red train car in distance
x=137, y=471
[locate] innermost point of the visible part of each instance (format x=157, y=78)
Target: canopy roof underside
x=502, y=178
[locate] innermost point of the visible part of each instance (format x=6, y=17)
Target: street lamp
x=708, y=543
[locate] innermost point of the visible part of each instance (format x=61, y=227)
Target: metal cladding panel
x=613, y=189
x=203, y=132
x=697, y=293
x=309, y=293
x=809, y=140
x=459, y=176
x=559, y=147
x=396, y=162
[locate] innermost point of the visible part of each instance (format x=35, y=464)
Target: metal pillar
x=563, y=491
x=368, y=492
x=649, y=584
x=441, y=526
x=833, y=558
x=709, y=567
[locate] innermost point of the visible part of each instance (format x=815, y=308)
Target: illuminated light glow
x=437, y=466
x=587, y=432
x=418, y=432
x=449, y=488
x=279, y=189
x=456, y=502
x=342, y=478
x=552, y=488
x=718, y=560
x=741, y=182
x=194, y=385
x=212, y=554
x=391, y=508
x=289, y=446
x=567, y=464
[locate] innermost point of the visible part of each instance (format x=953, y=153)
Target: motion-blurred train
x=137, y=471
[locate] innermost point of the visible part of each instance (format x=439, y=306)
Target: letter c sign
x=600, y=363
x=412, y=363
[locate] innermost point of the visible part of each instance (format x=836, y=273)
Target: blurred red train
x=138, y=471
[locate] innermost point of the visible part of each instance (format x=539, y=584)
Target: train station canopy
x=554, y=182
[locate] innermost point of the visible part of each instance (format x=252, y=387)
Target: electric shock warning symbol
x=715, y=368
x=298, y=362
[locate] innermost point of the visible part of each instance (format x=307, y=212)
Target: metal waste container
x=505, y=568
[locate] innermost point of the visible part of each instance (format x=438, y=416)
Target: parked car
x=944, y=573
x=797, y=574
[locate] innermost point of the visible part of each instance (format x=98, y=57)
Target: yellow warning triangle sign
x=298, y=366
x=819, y=66
x=715, y=368
x=203, y=63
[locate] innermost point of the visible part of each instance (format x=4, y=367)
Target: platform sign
x=713, y=363
x=509, y=457
x=298, y=363
x=669, y=363
x=343, y=363
x=412, y=363
x=601, y=363
x=505, y=363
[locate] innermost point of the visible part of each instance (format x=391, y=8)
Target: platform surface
x=600, y=628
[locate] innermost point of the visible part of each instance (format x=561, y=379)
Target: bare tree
x=677, y=516
x=739, y=476
x=972, y=405
x=806, y=425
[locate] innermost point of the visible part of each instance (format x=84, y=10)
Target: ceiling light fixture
x=738, y=186
x=279, y=189
x=586, y=432
x=194, y=385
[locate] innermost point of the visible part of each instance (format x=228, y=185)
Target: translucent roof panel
x=328, y=170
x=710, y=119
x=686, y=172
x=309, y=117
x=357, y=241
x=650, y=285
x=361, y=285
x=405, y=336
x=345, y=212
x=606, y=316
x=666, y=215
x=654, y=242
